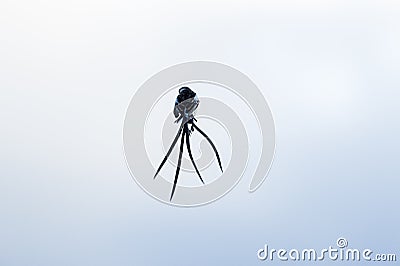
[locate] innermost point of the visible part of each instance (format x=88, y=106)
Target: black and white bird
x=186, y=104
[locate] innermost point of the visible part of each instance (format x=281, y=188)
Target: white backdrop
x=329, y=70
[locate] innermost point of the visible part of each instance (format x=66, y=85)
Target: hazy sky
x=329, y=70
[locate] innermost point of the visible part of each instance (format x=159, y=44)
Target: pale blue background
x=330, y=71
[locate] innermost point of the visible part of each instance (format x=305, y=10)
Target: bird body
x=186, y=104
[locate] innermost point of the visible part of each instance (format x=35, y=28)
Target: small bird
x=186, y=104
